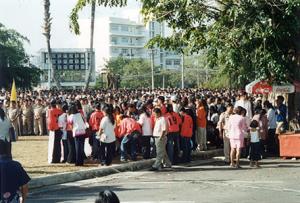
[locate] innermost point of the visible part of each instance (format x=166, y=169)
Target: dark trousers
x=186, y=148
x=79, y=147
x=57, y=147
x=107, y=151
x=272, y=146
x=145, y=142
x=66, y=150
x=173, y=147
x=129, y=139
x=71, y=148
x=95, y=146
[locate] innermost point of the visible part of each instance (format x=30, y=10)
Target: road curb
x=61, y=178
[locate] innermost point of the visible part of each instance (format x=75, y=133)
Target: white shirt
x=160, y=126
x=78, y=124
x=271, y=118
x=62, y=123
x=246, y=105
x=254, y=137
x=108, y=135
x=145, y=122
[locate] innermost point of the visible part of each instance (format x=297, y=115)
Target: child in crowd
x=255, y=154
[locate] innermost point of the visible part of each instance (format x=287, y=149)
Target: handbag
x=12, y=134
x=88, y=130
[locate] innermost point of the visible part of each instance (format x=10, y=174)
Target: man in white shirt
x=245, y=103
x=160, y=135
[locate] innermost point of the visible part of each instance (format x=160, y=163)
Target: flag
x=13, y=94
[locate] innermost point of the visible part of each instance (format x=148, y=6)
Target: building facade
x=71, y=66
x=119, y=37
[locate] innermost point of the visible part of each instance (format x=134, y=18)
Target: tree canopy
x=14, y=62
x=246, y=39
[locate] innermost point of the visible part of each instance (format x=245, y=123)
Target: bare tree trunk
x=90, y=67
x=47, y=31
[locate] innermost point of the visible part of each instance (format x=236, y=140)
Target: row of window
x=70, y=67
x=123, y=28
x=67, y=55
x=175, y=62
x=125, y=40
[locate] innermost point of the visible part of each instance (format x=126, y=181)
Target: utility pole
x=182, y=71
x=152, y=68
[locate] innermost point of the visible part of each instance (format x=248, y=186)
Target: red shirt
x=95, y=120
x=187, y=126
x=129, y=125
x=53, y=115
x=201, y=117
x=173, y=120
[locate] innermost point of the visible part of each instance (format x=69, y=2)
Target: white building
x=119, y=37
x=70, y=64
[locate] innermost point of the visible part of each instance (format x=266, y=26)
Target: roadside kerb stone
x=61, y=178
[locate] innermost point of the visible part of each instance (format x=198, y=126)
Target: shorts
x=236, y=144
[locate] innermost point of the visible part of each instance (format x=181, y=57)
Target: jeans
x=107, y=151
x=173, y=147
x=71, y=147
x=186, y=147
x=79, y=147
x=95, y=146
x=145, y=140
x=129, y=139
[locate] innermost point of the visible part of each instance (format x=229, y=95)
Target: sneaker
x=123, y=160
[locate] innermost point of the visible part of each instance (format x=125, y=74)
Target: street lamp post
x=152, y=68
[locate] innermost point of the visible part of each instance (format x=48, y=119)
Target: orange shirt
x=187, y=126
x=129, y=125
x=173, y=120
x=201, y=117
x=95, y=120
x=53, y=115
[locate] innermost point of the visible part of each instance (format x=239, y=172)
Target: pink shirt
x=236, y=127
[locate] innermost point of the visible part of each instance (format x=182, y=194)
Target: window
x=65, y=55
x=59, y=61
x=71, y=66
x=114, y=27
x=124, y=51
x=65, y=61
x=76, y=66
x=124, y=40
x=65, y=67
x=77, y=55
x=168, y=62
x=71, y=61
x=59, y=67
x=177, y=62
x=82, y=56
x=76, y=60
x=114, y=40
x=124, y=28
x=114, y=50
x=82, y=66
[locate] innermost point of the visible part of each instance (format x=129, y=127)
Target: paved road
x=277, y=181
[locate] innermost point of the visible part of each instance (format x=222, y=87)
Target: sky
x=26, y=16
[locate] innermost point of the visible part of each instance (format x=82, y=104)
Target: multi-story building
x=71, y=66
x=119, y=37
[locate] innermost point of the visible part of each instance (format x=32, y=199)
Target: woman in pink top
x=236, y=129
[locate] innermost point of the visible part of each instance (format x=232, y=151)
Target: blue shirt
x=12, y=176
x=281, y=113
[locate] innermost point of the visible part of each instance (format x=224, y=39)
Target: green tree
x=244, y=39
x=137, y=73
x=14, y=62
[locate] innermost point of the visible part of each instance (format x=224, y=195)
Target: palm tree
x=47, y=31
x=74, y=25
x=88, y=79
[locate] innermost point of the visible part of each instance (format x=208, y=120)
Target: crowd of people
x=165, y=123
x=168, y=124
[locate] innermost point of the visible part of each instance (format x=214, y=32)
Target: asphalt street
x=276, y=181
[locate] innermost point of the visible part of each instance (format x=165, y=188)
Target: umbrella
x=258, y=87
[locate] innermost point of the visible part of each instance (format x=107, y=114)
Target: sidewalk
x=60, y=178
